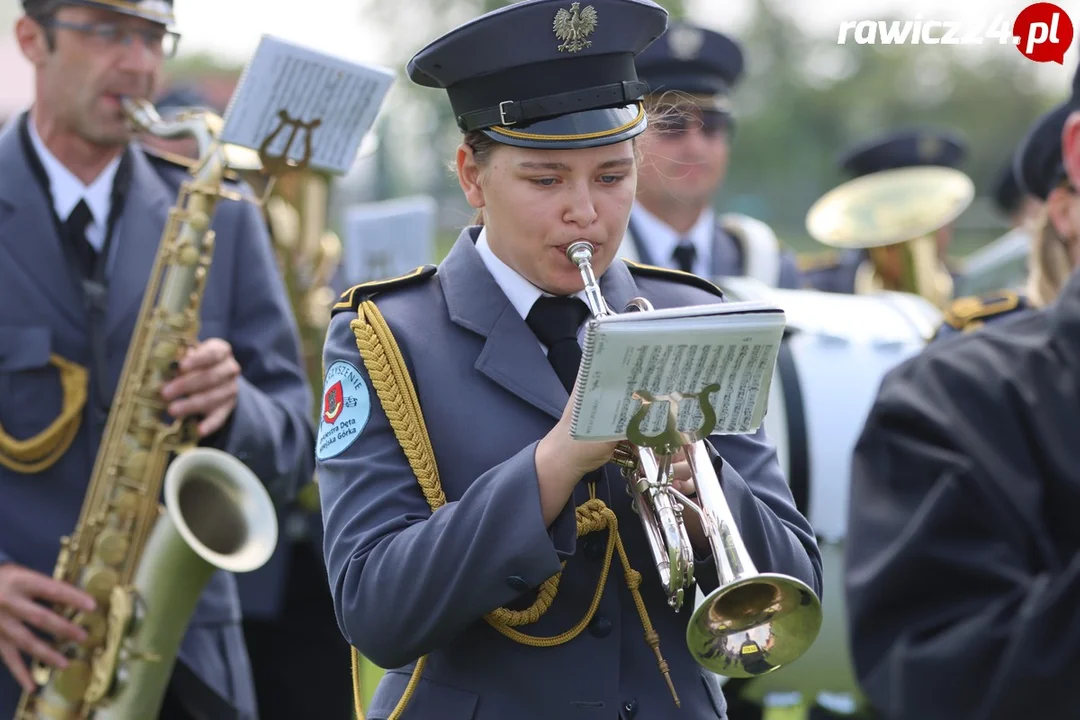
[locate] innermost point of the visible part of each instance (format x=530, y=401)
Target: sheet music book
x=677, y=350
x=308, y=85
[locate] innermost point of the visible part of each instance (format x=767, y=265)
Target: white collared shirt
x=67, y=190
x=521, y=293
x=661, y=239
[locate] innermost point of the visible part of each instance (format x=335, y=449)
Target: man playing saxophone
x=82, y=210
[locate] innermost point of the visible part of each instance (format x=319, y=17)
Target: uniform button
x=516, y=582
x=600, y=627
x=630, y=708
x=594, y=548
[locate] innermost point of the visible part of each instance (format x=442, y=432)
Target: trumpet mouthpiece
x=579, y=252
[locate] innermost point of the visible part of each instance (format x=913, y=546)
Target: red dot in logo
x=1043, y=32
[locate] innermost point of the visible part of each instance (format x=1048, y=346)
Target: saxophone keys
x=164, y=354
x=41, y=673
x=187, y=255
x=111, y=547
x=95, y=626
x=198, y=220
x=134, y=464
x=100, y=583
x=71, y=682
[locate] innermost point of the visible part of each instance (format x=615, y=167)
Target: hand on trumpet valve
x=682, y=480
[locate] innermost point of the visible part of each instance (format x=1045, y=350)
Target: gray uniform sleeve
x=271, y=428
x=406, y=580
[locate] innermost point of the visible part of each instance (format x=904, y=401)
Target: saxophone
x=144, y=565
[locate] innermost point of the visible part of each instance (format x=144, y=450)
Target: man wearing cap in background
x=854, y=271
x=962, y=574
x=690, y=72
x=1010, y=199
x=82, y=211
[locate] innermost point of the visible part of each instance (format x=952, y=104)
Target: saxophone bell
x=753, y=623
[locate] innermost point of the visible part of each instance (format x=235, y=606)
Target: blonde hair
x=1051, y=263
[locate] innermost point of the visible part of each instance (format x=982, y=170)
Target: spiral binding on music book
x=588, y=351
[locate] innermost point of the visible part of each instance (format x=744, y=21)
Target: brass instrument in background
x=893, y=214
x=753, y=623
x=308, y=255
x=146, y=566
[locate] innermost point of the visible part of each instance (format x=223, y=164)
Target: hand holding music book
x=704, y=369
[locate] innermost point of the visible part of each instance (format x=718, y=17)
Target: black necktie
x=75, y=230
x=555, y=321
x=684, y=255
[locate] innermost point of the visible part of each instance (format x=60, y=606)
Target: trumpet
x=753, y=623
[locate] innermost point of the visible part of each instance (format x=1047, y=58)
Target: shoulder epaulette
x=968, y=313
x=670, y=274
x=819, y=261
x=351, y=298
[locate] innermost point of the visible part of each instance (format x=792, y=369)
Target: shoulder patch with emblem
x=679, y=276
x=351, y=298
x=346, y=409
x=969, y=313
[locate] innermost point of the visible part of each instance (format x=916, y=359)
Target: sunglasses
x=710, y=122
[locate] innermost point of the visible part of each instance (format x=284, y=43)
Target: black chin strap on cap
x=514, y=112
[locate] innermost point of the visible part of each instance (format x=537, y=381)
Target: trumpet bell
x=889, y=207
x=753, y=626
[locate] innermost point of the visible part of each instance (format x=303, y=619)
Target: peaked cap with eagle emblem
x=546, y=73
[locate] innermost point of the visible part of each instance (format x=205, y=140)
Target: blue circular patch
x=346, y=408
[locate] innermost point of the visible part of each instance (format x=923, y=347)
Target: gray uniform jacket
x=408, y=582
x=42, y=312
x=963, y=577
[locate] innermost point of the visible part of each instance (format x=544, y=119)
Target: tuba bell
x=894, y=215
x=753, y=623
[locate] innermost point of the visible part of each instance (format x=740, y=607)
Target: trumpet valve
x=625, y=457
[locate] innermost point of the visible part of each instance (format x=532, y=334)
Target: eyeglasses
x=159, y=41
x=710, y=122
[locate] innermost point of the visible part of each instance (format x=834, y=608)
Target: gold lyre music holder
x=273, y=166
x=670, y=440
